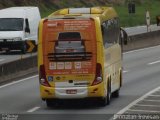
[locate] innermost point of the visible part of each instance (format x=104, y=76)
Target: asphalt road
x=141, y=75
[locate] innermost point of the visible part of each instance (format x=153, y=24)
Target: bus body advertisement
x=79, y=55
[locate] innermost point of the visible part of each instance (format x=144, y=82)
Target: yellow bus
x=79, y=55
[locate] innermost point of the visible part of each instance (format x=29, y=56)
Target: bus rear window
x=69, y=36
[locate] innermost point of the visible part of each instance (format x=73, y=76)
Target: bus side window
x=117, y=30
x=108, y=33
x=105, y=34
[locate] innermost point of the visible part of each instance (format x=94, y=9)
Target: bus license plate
x=71, y=91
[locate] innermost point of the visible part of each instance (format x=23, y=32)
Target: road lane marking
x=143, y=105
x=136, y=101
x=140, y=49
x=148, y=111
x=154, y=95
x=151, y=100
x=15, y=82
x=152, y=63
x=125, y=71
x=33, y=109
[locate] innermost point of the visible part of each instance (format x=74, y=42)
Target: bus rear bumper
x=72, y=92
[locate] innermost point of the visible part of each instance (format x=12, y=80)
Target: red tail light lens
x=98, y=77
x=42, y=76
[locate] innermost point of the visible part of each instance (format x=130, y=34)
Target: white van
x=18, y=25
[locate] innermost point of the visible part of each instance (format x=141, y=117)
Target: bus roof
x=103, y=13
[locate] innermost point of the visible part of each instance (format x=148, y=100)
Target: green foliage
x=126, y=19
x=138, y=18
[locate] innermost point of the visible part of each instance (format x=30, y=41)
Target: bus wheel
x=106, y=100
x=103, y=101
x=116, y=94
x=109, y=93
x=49, y=103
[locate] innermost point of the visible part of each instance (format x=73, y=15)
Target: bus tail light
x=98, y=77
x=42, y=76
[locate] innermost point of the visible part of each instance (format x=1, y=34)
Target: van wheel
x=116, y=94
x=24, y=48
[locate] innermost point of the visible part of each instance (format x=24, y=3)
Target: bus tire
x=103, y=101
x=51, y=103
x=106, y=100
x=116, y=94
x=109, y=93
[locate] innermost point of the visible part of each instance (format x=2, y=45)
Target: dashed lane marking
x=33, y=109
x=152, y=63
x=125, y=71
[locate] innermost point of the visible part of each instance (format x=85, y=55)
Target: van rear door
x=69, y=48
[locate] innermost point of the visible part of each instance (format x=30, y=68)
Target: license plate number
x=71, y=91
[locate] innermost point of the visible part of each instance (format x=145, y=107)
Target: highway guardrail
x=18, y=68
x=144, y=40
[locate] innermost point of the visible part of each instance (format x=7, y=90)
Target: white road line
x=148, y=111
x=136, y=101
x=143, y=105
x=151, y=100
x=125, y=71
x=15, y=82
x=152, y=63
x=141, y=49
x=33, y=109
x=154, y=95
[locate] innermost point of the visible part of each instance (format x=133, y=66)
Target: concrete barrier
x=14, y=69
x=142, y=41
x=18, y=68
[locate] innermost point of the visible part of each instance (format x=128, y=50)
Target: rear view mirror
x=124, y=37
x=27, y=29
